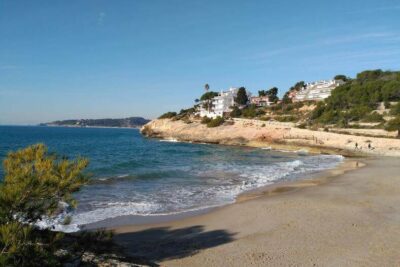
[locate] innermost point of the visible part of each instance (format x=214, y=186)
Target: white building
x=260, y=101
x=220, y=104
x=317, y=90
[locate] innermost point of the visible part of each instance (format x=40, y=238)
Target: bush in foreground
x=35, y=184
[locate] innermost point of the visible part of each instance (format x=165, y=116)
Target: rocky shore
x=272, y=135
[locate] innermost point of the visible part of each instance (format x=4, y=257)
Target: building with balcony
x=219, y=105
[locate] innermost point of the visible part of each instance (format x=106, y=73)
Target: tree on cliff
x=341, y=77
x=273, y=94
x=241, y=97
x=35, y=184
x=207, y=100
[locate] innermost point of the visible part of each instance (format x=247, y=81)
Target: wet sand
x=348, y=217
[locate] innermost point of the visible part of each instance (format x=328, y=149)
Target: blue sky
x=98, y=58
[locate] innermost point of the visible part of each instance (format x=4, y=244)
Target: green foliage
x=236, y=112
x=394, y=125
x=207, y=100
x=286, y=118
x=370, y=75
x=252, y=111
x=271, y=93
x=35, y=183
x=355, y=100
x=373, y=117
x=188, y=111
x=215, y=122
x=205, y=120
x=286, y=99
x=262, y=93
x=168, y=115
x=357, y=113
x=297, y=87
x=241, y=98
x=302, y=126
x=341, y=77
x=391, y=91
x=208, y=95
x=395, y=110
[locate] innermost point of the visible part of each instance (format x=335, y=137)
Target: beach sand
x=348, y=217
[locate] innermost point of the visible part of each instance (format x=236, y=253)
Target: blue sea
x=133, y=175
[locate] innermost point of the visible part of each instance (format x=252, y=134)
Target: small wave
x=217, y=183
x=171, y=140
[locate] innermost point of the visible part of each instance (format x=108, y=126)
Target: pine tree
x=35, y=183
x=241, y=98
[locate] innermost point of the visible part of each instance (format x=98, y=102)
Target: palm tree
x=206, y=87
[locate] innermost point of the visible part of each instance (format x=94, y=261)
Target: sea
x=134, y=175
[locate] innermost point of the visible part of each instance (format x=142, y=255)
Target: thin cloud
x=359, y=37
x=381, y=36
x=100, y=18
x=8, y=67
x=376, y=9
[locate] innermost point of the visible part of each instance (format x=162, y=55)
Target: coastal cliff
x=271, y=134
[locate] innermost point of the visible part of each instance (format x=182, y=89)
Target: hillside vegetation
x=358, y=98
x=368, y=101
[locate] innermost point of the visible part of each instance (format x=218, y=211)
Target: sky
x=77, y=59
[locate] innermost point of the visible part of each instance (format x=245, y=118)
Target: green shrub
x=395, y=110
x=286, y=118
x=205, y=120
x=355, y=99
x=393, y=125
x=208, y=96
x=187, y=111
x=168, y=115
x=252, y=111
x=215, y=122
x=302, y=126
x=373, y=117
x=236, y=112
x=266, y=118
x=34, y=184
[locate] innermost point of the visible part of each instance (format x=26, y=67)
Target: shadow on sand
x=157, y=244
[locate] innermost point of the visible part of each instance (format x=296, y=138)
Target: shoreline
x=347, y=212
x=277, y=136
x=281, y=186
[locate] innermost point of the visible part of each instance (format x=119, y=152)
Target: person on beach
x=356, y=145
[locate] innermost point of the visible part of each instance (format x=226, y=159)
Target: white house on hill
x=221, y=104
x=317, y=90
x=260, y=101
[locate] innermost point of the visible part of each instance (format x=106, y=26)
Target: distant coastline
x=131, y=122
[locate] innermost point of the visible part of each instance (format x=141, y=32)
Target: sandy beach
x=346, y=217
